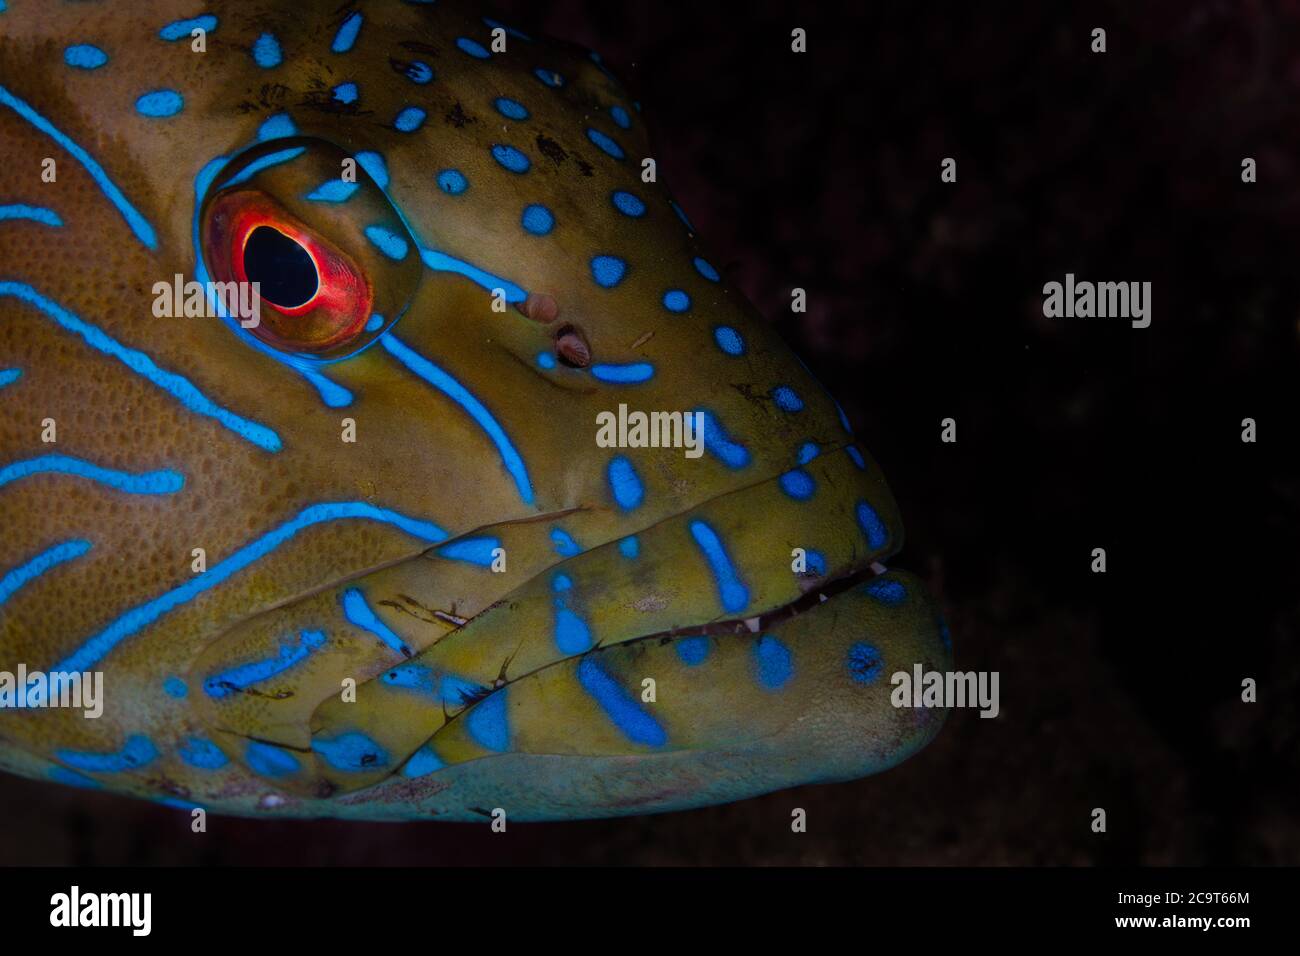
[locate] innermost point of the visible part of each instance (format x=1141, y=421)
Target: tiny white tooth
x=822, y=597
x=878, y=568
x=752, y=624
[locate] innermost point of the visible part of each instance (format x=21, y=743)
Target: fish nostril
x=539, y=307
x=571, y=347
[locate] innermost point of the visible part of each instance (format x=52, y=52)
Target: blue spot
x=143, y=231
x=419, y=73
x=269, y=760
x=351, y=751
x=693, y=651
x=291, y=652
x=410, y=119
x=561, y=582
x=175, y=687
x=34, y=568
x=474, y=550
x=706, y=270
x=620, y=706
x=887, y=591
x=457, y=392
x=865, y=662
x=627, y=204
x=201, y=753
x=564, y=543
x=625, y=483
x=629, y=547
x=808, y=451
x=729, y=340
x=487, y=722
x=374, y=165
x=733, y=595
x=277, y=127
x=546, y=360
x=608, y=271
x=675, y=300
x=141, y=616
x=358, y=611
x=160, y=482
x=538, y=220
x=621, y=117
x=719, y=444
x=816, y=561
x=422, y=763
x=83, y=56
x=47, y=217
x=624, y=374
x=510, y=109
x=9, y=375
x=605, y=143
x=511, y=158
x=857, y=457
x=870, y=522
x=375, y=322
x=138, y=752
x=176, y=385
x=549, y=77
x=446, y=688
x=387, y=242
x=472, y=47
x=160, y=104
x=787, y=399
x=346, y=93
x=334, y=190
x=572, y=636
x=266, y=51
x=681, y=215
x=347, y=34
x=184, y=28
x=775, y=666
x=452, y=182
x=798, y=484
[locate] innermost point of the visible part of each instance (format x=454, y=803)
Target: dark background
x=822, y=171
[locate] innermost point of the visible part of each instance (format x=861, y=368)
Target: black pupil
x=285, y=271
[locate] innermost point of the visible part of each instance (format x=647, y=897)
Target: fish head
x=423, y=459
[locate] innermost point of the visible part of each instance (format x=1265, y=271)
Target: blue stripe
x=161, y=482
x=9, y=375
x=269, y=760
x=94, y=649
x=175, y=385
x=143, y=231
x=265, y=162
x=621, y=707
x=719, y=443
x=457, y=392
x=359, y=612
x=441, y=262
x=625, y=483
x=36, y=213
x=227, y=682
x=333, y=190
x=49, y=558
x=731, y=592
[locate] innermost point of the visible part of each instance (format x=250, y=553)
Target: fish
x=359, y=545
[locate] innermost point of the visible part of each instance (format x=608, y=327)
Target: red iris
x=313, y=297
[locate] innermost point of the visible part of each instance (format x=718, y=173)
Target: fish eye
x=304, y=225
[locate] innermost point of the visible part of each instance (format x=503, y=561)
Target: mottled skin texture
x=737, y=714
